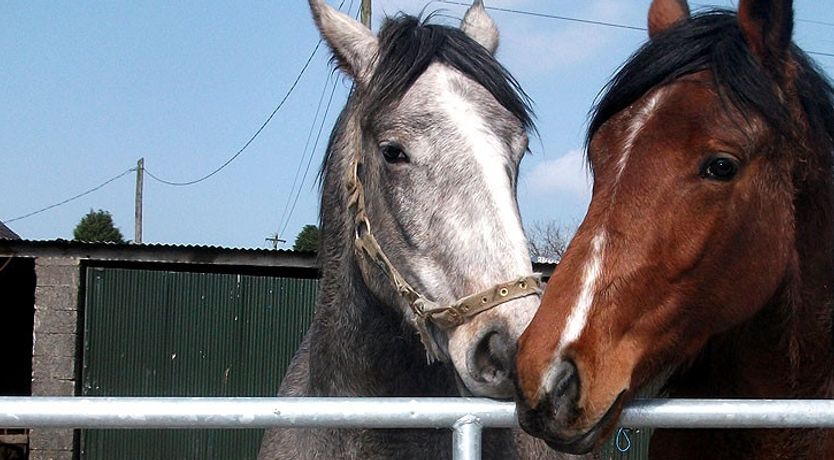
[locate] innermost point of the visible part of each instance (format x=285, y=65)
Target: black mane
x=409, y=45
x=714, y=41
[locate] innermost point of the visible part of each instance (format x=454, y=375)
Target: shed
x=105, y=319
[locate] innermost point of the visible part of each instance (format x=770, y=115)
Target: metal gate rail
x=465, y=416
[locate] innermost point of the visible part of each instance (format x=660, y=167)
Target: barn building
x=106, y=319
x=103, y=319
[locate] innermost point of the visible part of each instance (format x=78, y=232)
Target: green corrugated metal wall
x=168, y=333
x=638, y=450
x=635, y=442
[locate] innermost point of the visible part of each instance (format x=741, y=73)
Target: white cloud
x=566, y=174
x=537, y=44
x=543, y=46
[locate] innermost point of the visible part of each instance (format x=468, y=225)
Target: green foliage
x=307, y=239
x=97, y=226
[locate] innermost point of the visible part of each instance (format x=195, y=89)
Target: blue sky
x=88, y=88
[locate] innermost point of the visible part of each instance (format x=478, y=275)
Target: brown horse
x=706, y=253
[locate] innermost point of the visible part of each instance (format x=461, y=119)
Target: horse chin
x=469, y=388
x=542, y=425
x=585, y=442
x=463, y=390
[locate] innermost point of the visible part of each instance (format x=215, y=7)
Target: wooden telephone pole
x=140, y=175
x=365, y=13
x=275, y=240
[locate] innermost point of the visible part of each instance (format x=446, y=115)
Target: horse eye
x=723, y=168
x=393, y=153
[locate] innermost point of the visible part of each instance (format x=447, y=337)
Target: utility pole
x=140, y=173
x=365, y=14
x=275, y=239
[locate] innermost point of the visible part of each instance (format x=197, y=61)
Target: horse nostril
x=493, y=358
x=561, y=390
x=561, y=380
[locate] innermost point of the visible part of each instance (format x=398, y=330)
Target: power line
x=282, y=224
x=549, y=16
x=183, y=184
x=251, y=139
x=810, y=21
x=304, y=151
x=254, y=136
x=73, y=198
x=601, y=23
x=310, y=158
x=820, y=53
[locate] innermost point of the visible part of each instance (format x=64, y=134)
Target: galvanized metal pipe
x=729, y=413
x=466, y=439
x=70, y=412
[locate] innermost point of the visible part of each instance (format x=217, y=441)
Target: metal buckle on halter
x=362, y=223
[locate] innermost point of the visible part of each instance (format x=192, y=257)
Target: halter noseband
x=370, y=254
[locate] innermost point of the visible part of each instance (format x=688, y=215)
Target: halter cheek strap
x=370, y=254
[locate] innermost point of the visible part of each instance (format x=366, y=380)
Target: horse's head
x=705, y=150
x=437, y=128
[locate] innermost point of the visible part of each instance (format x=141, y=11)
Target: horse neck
x=360, y=346
x=812, y=306
x=787, y=349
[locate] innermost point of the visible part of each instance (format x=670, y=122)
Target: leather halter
x=370, y=254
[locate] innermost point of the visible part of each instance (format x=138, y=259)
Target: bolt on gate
x=465, y=416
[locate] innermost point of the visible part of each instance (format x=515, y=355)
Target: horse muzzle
x=488, y=364
x=557, y=418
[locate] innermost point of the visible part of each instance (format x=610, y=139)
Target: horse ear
x=663, y=14
x=354, y=46
x=479, y=26
x=767, y=26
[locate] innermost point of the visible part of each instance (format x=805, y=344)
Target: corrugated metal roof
x=6, y=233
x=175, y=253
x=62, y=243
x=156, y=252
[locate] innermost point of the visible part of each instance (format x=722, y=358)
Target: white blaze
x=489, y=153
x=579, y=314
x=496, y=211
x=592, y=270
x=578, y=317
x=643, y=115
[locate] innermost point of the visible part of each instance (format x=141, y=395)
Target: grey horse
x=433, y=134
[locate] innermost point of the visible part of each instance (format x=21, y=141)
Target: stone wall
x=55, y=347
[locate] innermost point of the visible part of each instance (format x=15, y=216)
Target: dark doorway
x=17, y=310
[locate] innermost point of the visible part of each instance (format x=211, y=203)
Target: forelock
x=709, y=41
x=408, y=46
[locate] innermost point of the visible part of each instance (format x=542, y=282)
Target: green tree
x=307, y=239
x=97, y=226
